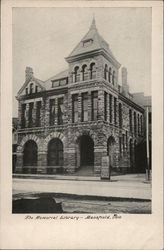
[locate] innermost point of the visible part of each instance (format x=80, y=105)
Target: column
x=19, y=163
x=47, y=113
x=42, y=162
x=101, y=105
x=56, y=111
x=108, y=108
x=27, y=115
x=79, y=107
x=89, y=106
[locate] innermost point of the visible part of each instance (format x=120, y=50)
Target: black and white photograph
x=83, y=115
x=84, y=140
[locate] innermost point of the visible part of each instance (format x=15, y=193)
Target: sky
x=44, y=37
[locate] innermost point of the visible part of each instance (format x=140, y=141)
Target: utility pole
x=147, y=146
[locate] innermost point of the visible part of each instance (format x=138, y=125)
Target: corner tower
x=92, y=58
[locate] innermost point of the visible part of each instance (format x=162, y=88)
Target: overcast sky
x=43, y=37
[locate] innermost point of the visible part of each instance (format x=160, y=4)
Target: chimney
x=125, y=86
x=28, y=73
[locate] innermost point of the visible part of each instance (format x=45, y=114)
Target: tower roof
x=91, y=41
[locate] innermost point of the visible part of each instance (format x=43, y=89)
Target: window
x=55, y=84
x=141, y=124
x=105, y=72
x=26, y=91
x=87, y=43
x=77, y=74
x=138, y=119
x=113, y=78
x=52, y=112
x=60, y=111
x=130, y=119
x=63, y=82
x=31, y=88
x=115, y=110
x=110, y=75
x=94, y=105
x=135, y=123
x=110, y=108
x=105, y=106
x=149, y=117
x=120, y=115
x=31, y=105
x=120, y=146
x=123, y=142
x=84, y=73
x=75, y=108
x=23, y=119
x=36, y=89
x=126, y=139
x=93, y=71
x=84, y=107
x=38, y=108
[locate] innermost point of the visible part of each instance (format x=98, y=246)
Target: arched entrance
x=55, y=154
x=110, y=151
x=30, y=155
x=85, y=155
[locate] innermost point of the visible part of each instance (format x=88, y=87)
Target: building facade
x=81, y=120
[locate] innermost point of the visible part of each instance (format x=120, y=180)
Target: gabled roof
x=39, y=82
x=97, y=42
x=62, y=74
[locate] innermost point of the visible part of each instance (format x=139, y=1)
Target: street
x=124, y=194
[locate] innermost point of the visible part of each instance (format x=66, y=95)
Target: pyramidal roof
x=91, y=41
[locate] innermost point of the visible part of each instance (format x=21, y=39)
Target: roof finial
x=93, y=24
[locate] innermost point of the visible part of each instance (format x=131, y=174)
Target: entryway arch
x=55, y=152
x=30, y=155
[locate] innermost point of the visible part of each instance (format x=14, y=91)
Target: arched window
x=84, y=73
x=92, y=71
x=113, y=77
x=110, y=75
x=105, y=71
x=77, y=74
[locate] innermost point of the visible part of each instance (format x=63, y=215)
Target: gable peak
x=93, y=24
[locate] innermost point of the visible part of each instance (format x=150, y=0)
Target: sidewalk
x=123, y=186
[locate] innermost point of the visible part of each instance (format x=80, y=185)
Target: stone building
x=80, y=121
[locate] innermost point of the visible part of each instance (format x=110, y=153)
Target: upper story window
x=30, y=118
x=110, y=75
x=52, y=112
x=130, y=119
x=92, y=71
x=105, y=72
x=75, y=108
x=36, y=89
x=87, y=42
x=23, y=118
x=84, y=73
x=31, y=88
x=115, y=110
x=110, y=108
x=141, y=122
x=77, y=74
x=135, y=123
x=38, y=109
x=84, y=107
x=138, y=120
x=26, y=91
x=61, y=82
x=94, y=96
x=60, y=110
x=105, y=106
x=120, y=115
x=113, y=78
